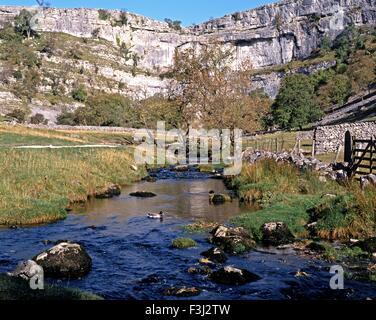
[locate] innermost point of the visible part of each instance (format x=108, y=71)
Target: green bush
x=9, y=34
x=174, y=24
x=107, y=110
x=19, y=115
x=295, y=105
x=66, y=118
x=79, y=94
x=38, y=118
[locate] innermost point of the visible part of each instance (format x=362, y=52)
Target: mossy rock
x=232, y=240
x=316, y=247
x=219, y=198
x=184, y=243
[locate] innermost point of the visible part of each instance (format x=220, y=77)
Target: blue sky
x=187, y=11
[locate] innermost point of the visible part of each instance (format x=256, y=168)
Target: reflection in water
x=188, y=199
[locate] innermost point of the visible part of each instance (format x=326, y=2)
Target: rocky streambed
x=132, y=257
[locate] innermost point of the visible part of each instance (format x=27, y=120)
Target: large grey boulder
x=65, y=260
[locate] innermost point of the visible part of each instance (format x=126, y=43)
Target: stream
x=133, y=258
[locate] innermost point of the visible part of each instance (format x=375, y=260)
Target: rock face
x=65, y=260
x=276, y=233
x=233, y=276
x=271, y=35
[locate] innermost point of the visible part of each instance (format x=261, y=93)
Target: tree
x=161, y=108
x=295, y=105
x=174, y=24
x=22, y=24
x=325, y=45
x=335, y=91
x=361, y=70
x=106, y=110
x=211, y=92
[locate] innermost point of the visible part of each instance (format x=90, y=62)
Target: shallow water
x=132, y=257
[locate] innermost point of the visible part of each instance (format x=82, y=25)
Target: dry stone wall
x=330, y=138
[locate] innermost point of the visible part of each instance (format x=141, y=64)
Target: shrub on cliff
x=79, y=94
x=23, y=24
x=38, y=118
x=104, y=14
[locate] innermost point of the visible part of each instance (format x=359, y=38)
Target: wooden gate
x=361, y=154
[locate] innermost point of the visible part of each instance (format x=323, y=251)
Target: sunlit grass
x=286, y=193
x=37, y=185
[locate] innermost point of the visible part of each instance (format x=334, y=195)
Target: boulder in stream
x=219, y=198
x=27, y=270
x=233, y=276
x=183, y=292
x=143, y=194
x=232, y=240
x=276, y=233
x=65, y=260
x=112, y=191
x=215, y=255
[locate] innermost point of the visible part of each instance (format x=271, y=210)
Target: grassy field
x=20, y=136
x=37, y=185
x=288, y=195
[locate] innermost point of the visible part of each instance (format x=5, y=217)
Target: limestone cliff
x=268, y=36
